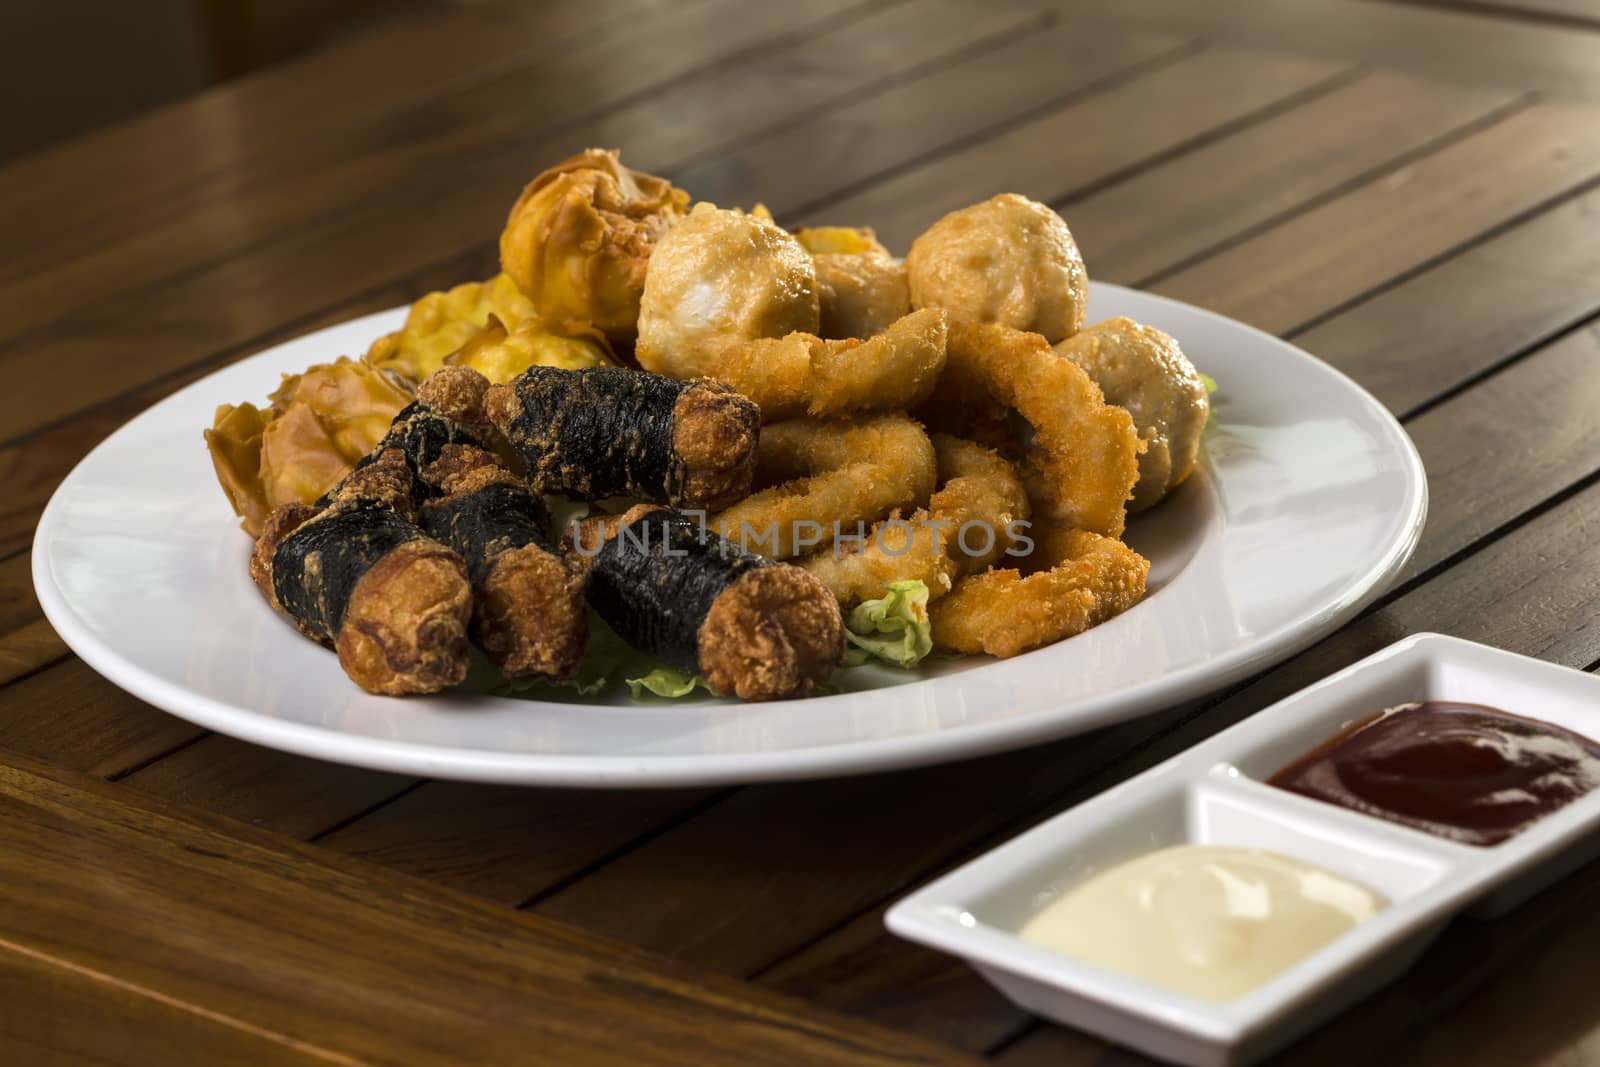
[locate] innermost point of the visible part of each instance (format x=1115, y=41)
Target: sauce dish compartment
x=1215, y=793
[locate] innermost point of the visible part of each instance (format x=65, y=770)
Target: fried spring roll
x=606, y=431
x=448, y=410
x=751, y=627
x=528, y=612
x=359, y=577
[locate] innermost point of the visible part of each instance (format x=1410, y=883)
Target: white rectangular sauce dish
x=1216, y=794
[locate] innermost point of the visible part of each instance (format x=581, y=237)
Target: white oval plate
x=1310, y=498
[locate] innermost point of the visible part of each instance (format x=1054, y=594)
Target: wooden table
x=1410, y=192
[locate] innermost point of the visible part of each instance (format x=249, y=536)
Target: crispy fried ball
x=861, y=293
x=1143, y=370
x=1009, y=260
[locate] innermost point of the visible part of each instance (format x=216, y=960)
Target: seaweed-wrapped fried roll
x=607, y=431
x=361, y=578
x=528, y=612
x=448, y=410
x=751, y=627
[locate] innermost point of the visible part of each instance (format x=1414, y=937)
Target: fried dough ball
x=860, y=293
x=441, y=322
x=1143, y=370
x=580, y=235
x=1009, y=260
x=734, y=297
x=1005, y=387
x=1083, y=580
x=317, y=426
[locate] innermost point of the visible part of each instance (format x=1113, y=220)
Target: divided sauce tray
x=1216, y=794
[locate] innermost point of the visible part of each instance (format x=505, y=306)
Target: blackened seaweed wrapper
x=598, y=432
x=317, y=567
x=420, y=433
x=654, y=582
x=483, y=524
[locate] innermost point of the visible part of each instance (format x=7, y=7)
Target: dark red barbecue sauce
x=1463, y=771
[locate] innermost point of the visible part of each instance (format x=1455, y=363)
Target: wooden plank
x=1334, y=254
x=505, y=843
x=1084, y=143
x=27, y=649
x=1579, y=14
x=1470, y=48
x=47, y=1005
x=18, y=606
x=369, y=966
x=1207, y=198
x=1413, y=341
x=61, y=205
x=792, y=169
x=389, y=200
x=74, y=718
x=277, y=791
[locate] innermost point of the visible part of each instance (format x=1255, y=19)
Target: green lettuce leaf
x=666, y=682
x=1209, y=382
x=893, y=628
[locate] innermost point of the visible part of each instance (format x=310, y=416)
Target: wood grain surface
x=1410, y=190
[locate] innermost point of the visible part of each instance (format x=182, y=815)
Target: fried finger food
x=448, y=410
x=735, y=297
x=829, y=476
x=1009, y=260
x=579, y=237
x=1143, y=370
x=1083, y=458
x=967, y=526
x=750, y=627
x=1003, y=612
x=528, y=611
x=607, y=431
x=359, y=577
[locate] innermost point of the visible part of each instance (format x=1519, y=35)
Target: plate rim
x=725, y=768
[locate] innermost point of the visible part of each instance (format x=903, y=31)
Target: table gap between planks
x=1409, y=190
